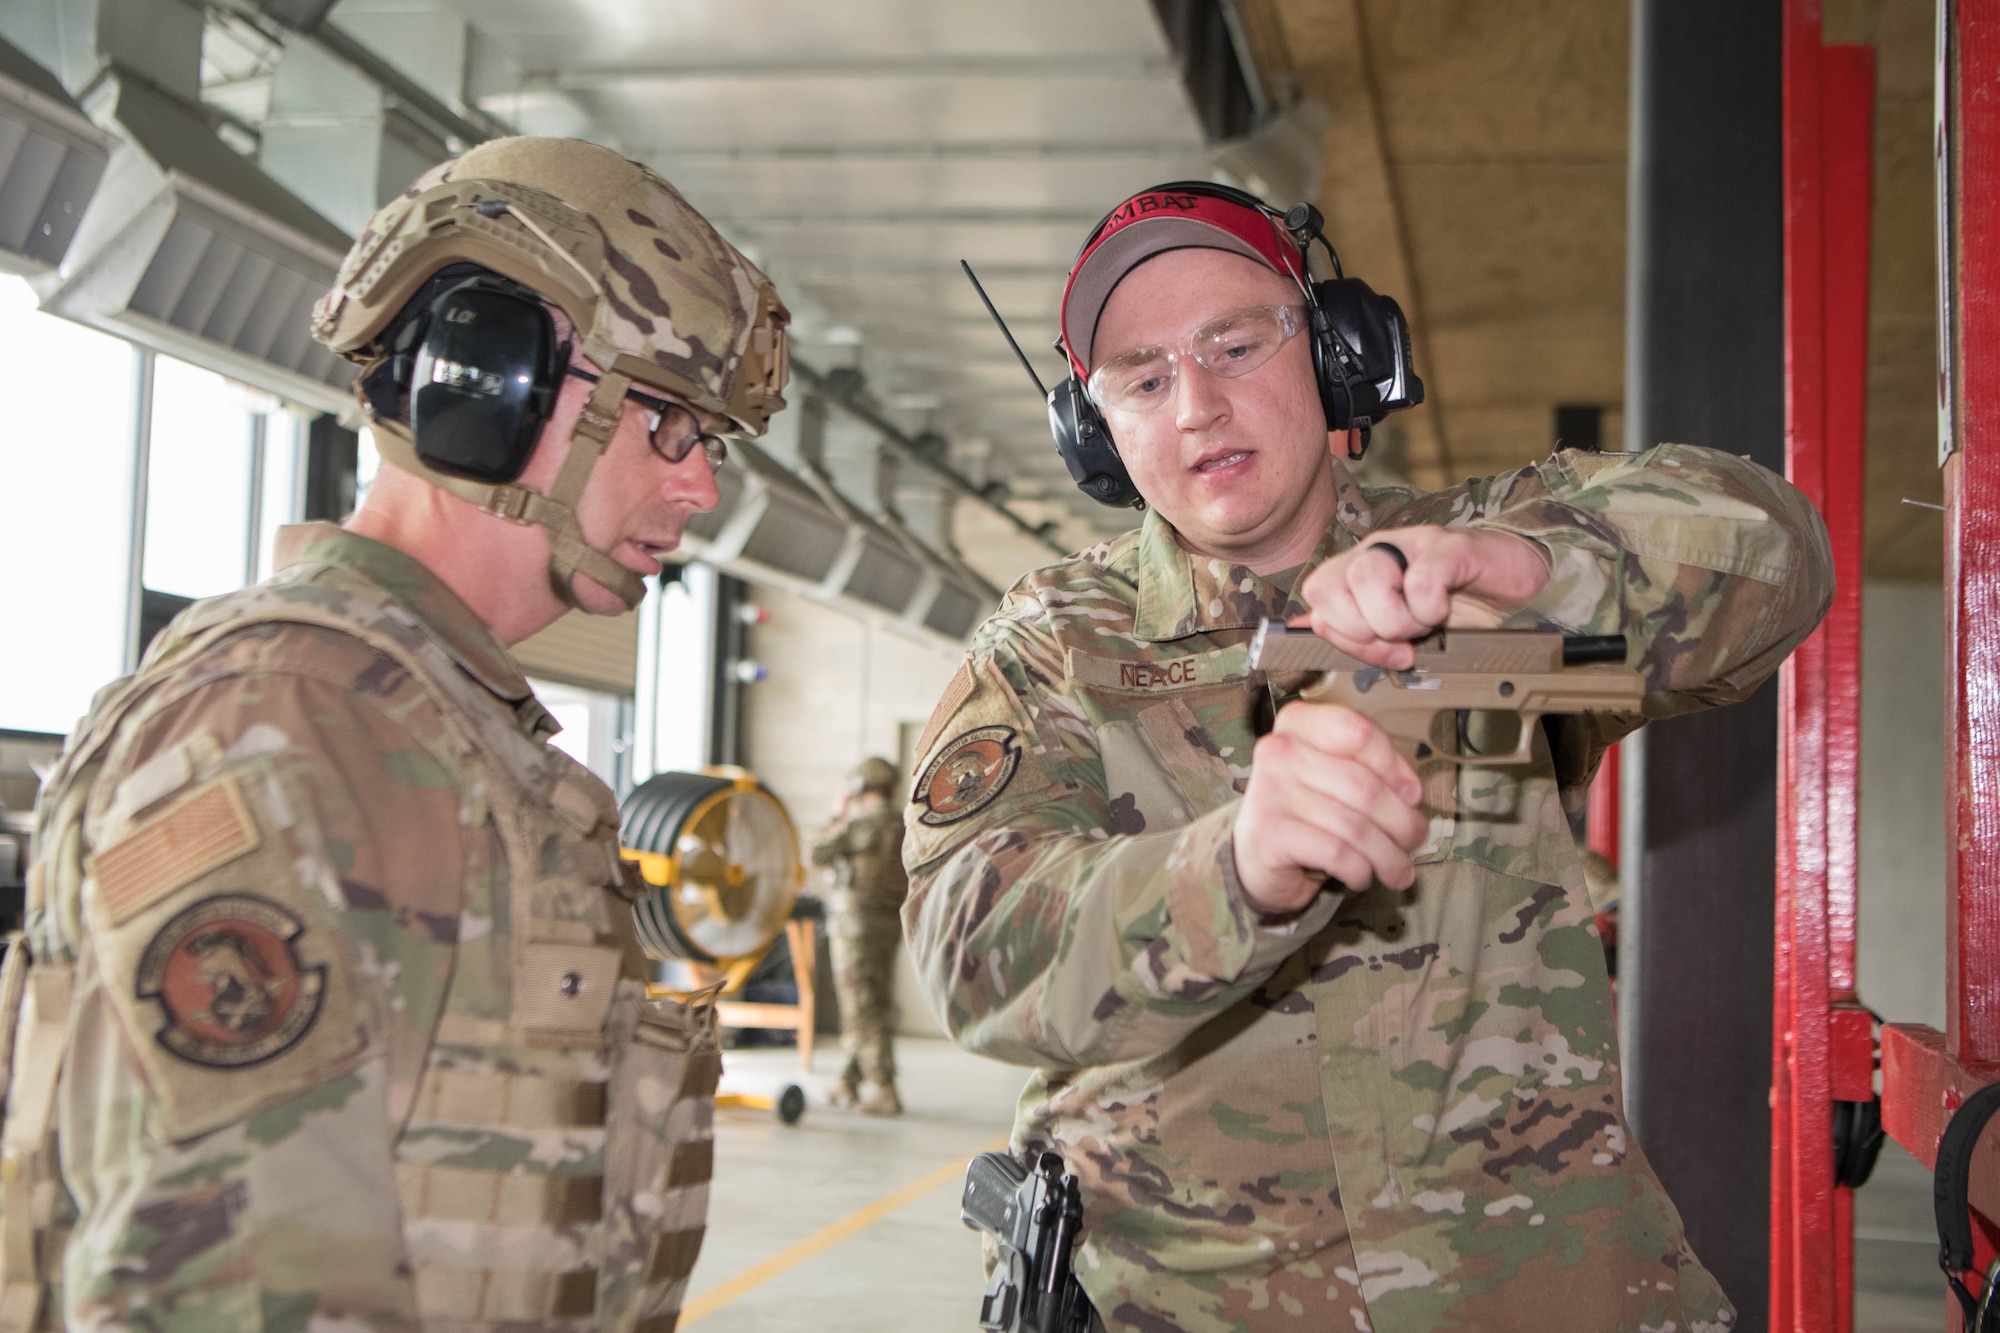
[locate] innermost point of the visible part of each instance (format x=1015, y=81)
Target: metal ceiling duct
x=777, y=528
x=770, y=527
x=953, y=598
x=190, y=249
x=958, y=606
x=877, y=568
x=51, y=159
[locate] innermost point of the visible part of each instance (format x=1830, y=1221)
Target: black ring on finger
x=1394, y=552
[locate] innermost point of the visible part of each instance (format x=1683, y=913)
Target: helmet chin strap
x=569, y=553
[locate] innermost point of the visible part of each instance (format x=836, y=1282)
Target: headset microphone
x=1361, y=341
x=1081, y=436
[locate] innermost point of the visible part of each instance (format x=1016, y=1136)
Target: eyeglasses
x=1230, y=345
x=673, y=431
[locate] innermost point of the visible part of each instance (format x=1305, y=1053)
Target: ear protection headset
x=473, y=367
x=1360, y=352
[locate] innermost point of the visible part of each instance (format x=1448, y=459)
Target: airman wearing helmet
x=862, y=849
x=335, y=1006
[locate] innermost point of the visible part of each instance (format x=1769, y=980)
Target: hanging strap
x=27, y=1185
x=569, y=553
x=1950, y=1194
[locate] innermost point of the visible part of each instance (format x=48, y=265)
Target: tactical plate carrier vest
x=548, y=1037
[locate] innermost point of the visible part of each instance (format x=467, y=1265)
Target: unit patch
x=967, y=775
x=227, y=973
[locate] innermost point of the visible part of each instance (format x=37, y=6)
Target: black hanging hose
x=1951, y=1189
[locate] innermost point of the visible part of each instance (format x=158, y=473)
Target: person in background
x=863, y=851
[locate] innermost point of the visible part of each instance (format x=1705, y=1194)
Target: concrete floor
x=1897, y=1286
x=778, y=1190
x=847, y=1224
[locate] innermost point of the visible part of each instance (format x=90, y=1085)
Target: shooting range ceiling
x=1469, y=155
x=860, y=150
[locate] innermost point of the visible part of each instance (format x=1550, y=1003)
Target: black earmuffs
x=473, y=367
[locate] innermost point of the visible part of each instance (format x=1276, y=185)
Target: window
x=225, y=473
x=198, y=501
x=65, y=511
x=595, y=728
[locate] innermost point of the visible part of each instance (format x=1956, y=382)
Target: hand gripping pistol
x=1473, y=695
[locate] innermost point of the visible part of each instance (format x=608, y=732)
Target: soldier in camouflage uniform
x=863, y=848
x=336, y=1016
x=1326, y=1036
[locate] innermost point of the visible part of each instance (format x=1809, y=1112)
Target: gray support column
x=135, y=523
x=253, y=535
x=1705, y=365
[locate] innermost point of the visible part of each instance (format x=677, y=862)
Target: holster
x=1035, y=1217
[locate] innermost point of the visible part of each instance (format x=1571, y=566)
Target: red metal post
x=1823, y=1042
x=1600, y=835
x=1848, y=126
x=1600, y=821
x=1972, y=571
x=1803, y=1285
x=1926, y=1075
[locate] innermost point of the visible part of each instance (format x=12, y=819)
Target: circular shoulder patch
x=227, y=972
x=967, y=774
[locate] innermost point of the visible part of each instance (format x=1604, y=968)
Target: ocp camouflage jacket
x=358, y=1035
x=1395, y=1111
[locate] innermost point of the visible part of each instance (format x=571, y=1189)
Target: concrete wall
x=839, y=690
x=1902, y=926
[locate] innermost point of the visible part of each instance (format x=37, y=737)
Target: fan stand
x=803, y=938
x=790, y=1101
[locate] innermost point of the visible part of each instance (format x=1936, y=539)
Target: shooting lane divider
x=708, y=1302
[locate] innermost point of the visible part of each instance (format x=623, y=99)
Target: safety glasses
x=1230, y=345
x=673, y=429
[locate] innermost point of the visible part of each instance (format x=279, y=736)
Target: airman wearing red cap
x=1326, y=1037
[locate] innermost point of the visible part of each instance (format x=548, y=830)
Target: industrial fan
x=722, y=860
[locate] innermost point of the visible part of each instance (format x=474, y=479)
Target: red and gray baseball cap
x=1180, y=215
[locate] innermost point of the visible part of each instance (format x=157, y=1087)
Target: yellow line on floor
x=751, y=1278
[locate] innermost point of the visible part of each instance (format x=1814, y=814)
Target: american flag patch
x=201, y=832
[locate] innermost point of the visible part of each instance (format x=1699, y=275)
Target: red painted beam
x=1804, y=1281
x=1847, y=151
x=1926, y=1074
x=1922, y=1084
x=1972, y=549
x=1848, y=121
x=1848, y=110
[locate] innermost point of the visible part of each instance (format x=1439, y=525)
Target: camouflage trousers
x=864, y=976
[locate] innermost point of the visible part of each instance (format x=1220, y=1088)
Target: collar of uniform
x=448, y=620
x=1181, y=593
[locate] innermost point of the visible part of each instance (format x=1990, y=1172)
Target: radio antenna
x=1005, y=331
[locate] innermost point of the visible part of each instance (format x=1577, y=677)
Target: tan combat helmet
x=657, y=296
x=872, y=774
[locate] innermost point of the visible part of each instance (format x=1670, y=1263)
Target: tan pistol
x=1473, y=696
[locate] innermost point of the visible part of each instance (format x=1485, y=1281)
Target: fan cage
x=652, y=819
